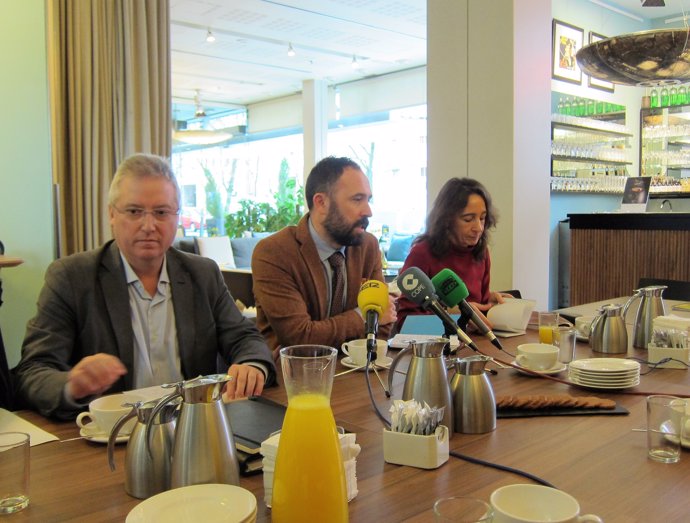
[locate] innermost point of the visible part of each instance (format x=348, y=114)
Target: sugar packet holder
x=414, y=450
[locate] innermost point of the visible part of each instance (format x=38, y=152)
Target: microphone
x=417, y=287
x=373, y=300
x=452, y=291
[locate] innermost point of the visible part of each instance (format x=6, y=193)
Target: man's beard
x=341, y=232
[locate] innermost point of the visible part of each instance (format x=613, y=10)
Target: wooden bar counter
x=610, y=252
x=596, y=458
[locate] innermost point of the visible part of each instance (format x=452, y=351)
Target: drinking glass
x=664, y=417
x=459, y=509
x=14, y=475
x=547, y=321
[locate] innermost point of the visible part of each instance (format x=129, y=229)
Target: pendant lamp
x=647, y=58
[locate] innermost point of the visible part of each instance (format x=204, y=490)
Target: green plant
x=286, y=209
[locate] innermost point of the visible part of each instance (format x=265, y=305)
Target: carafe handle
x=116, y=430
x=638, y=293
x=394, y=364
x=164, y=401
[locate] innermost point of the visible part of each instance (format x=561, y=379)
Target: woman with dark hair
x=456, y=238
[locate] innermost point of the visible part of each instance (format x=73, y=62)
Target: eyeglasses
x=136, y=213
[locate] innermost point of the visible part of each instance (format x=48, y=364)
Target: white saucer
x=91, y=433
x=560, y=367
x=385, y=363
x=580, y=337
x=208, y=502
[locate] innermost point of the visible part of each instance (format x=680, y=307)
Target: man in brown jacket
x=293, y=278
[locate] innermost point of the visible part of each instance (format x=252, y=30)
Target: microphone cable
x=386, y=423
x=504, y=468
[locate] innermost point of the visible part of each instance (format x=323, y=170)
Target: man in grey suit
x=136, y=312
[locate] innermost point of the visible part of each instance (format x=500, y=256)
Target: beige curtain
x=109, y=63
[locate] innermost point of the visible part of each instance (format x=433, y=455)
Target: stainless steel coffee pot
x=651, y=306
x=204, y=447
x=607, y=332
x=473, y=396
x=146, y=474
x=427, y=379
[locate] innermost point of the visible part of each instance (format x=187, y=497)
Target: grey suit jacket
x=84, y=309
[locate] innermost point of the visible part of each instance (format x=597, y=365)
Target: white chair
x=217, y=248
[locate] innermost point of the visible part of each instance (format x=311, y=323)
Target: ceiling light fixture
x=290, y=51
x=201, y=136
x=647, y=58
x=210, y=37
x=355, y=63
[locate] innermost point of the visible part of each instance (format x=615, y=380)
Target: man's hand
x=389, y=315
x=94, y=375
x=247, y=380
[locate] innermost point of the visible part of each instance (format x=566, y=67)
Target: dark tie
x=337, y=261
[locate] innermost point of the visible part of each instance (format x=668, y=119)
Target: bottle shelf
x=581, y=159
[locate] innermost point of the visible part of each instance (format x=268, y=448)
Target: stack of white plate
x=604, y=373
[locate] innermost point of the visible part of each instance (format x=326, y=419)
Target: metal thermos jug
x=474, y=403
x=607, y=332
x=204, y=447
x=427, y=379
x=651, y=306
x=146, y=474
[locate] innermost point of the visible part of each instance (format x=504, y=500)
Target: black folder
x=253, y=420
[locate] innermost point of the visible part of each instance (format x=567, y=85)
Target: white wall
x=26, y=223
x=488, y=118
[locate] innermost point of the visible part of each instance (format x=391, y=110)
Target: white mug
x=524, y=503
x=357, y=350
x=105, y=411
x=582, y=324
x=537, y=356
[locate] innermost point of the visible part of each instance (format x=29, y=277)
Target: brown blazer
x=292, y=292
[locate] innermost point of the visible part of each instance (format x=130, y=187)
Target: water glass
x=462, y=510
x=664, y=420
x=564, y=338
x=14, y=478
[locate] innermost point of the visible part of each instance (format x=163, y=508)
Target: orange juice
x=309, y=479
x=546, y=334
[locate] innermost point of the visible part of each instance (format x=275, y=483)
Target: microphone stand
x=371, y=364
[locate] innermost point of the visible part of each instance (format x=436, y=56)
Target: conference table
x=599, y=459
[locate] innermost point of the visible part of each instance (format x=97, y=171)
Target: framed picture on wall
x=567, y=40
x=594, y=82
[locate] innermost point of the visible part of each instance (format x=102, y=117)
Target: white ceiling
x=248, y=62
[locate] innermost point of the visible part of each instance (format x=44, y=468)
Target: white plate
x=610, y=376
x=560, y=367
x=606, y=383
x=580, y=337
x=91, y=433
x=605, y=386
x=385, y=363
x=605, y=365
x=212, y=502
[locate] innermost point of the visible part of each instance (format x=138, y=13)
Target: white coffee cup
x=106, y=410
x=582, y=324
x=524, y=503
x=537, y=356
x=357, y=350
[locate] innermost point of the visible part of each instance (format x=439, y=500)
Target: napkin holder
x=656, y=354
x=414, y=450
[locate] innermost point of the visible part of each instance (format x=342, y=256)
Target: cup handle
x=589, y=518
x=344, y=349
x=520, y=358
x=81, y=417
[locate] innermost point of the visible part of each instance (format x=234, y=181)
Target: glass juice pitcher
x=309, y=479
